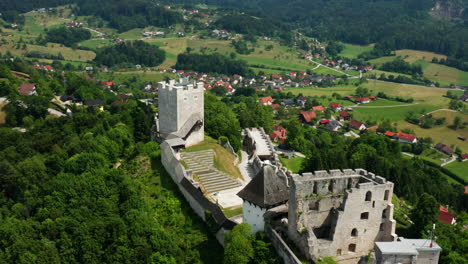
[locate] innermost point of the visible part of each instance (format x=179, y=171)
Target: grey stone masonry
x=181, y=111
x=211, y=180
x=340, y=212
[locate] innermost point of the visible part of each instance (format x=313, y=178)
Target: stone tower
x=181, y=111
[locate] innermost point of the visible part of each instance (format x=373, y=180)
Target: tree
x=239, y=249
x=424, y=214
x=457, y=122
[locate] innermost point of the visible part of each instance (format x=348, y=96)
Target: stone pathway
x=201, y=163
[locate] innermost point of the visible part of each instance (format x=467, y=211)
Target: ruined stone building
x=181, y=111
x=341, y=212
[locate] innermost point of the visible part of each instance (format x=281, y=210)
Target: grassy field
x=2, y=114
x=224, y=160
x=445, y=75
x=442, y=74
x=442, y=133
x=54, y=49
x=459, y=168
x=352, y=51
x=293, y=164
x=414, y=55
x=383, y=102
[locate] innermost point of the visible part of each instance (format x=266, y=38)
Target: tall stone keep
x=181, y=111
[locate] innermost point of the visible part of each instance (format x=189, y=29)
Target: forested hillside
x=398, y=24
x=89, y=188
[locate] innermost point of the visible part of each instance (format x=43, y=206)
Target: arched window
x=373, y=204
x=315, y=188
x=384, y=213
x=330, y=186
x=352, y=248
x=354, y=232
x=368, y=196
x=350, y=183
x=387, y=192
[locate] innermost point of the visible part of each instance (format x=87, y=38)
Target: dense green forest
x=66, y=35
x=130, y=53
x=212, y=63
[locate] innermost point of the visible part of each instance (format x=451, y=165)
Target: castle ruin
x=340, y=212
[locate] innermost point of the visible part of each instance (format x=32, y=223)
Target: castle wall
x=253, y=215
x=340, y=213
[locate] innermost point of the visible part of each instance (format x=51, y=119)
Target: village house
x=334, y=125
x=301, y=100
x=414, y=251
x=362, y=100
x=358, y=125
x=402, y=137
x=336, y=107
x=445, y=216
x=307, y=117
x=266, y=100
x=406, y=138
x=444, y=149
x=344, y=115
x=279, y=134
x=28, y=89
x=318, y=108
x=463, y=157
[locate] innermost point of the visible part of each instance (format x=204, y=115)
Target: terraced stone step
x=221, y=188
x=223, y=185
x=216, y=182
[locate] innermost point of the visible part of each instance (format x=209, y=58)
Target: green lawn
x=94, y=43
x=230, y=212
x=293, y=164
x=459, y=168
x=390, y=113
x=224, y=160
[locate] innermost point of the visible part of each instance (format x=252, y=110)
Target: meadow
x=352, y=51
x=459, y=168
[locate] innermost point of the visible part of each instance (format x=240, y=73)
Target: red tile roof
x=266, y=100
x=308, y=116
x=389, y=134
x=361, y=99
x=373, y=128
x=466, y=189
x=356, y=124
x=405, y=136
x=27, y=88
x=323, y=122
x=464, y=156
x=275, y=106
x=318, y=108
x=335, y=105
x=445, y=216
x=344, y=114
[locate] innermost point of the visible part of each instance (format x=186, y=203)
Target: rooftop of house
x=266, y=189
x=407, y=246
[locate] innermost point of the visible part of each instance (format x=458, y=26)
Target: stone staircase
x=201, y=163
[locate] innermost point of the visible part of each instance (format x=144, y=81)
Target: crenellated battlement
x=182, y=86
